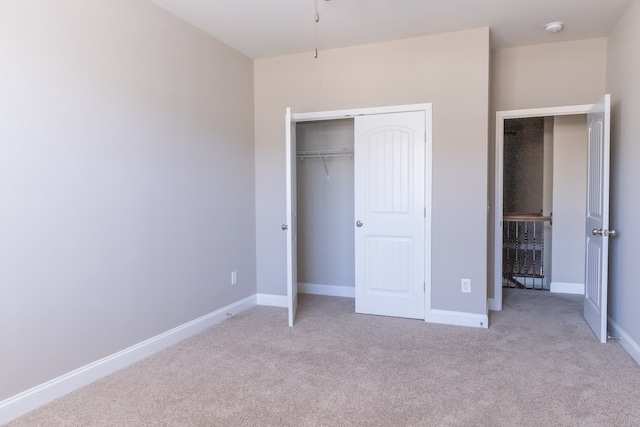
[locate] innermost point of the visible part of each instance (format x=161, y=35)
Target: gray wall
x=569, y=198
x=623, y=83
x=126, y=180
x=449, y=70
x=548, y=75
x=326, y=205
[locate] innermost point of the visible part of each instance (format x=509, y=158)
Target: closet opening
x=325, y=206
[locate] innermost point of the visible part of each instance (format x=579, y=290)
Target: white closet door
x=390, y=214
x=291, y=226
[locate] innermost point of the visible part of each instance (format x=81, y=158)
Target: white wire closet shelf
x=315, y=154
x=324, y=154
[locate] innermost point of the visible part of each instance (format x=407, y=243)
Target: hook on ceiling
x=315, y=29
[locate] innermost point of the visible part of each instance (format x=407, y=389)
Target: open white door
x=291, y=225
x=390, y=214
x=597, y=230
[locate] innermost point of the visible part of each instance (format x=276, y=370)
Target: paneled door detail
x=597, y=230
x=390, y=214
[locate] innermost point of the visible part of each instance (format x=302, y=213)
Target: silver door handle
x=358, y=223
x=284, y=227
x=601, y=232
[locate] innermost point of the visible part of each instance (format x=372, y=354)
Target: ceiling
x=261, y=28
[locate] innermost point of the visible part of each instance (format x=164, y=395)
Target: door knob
x=601, y=232
x=358, y=223
x=284, y=227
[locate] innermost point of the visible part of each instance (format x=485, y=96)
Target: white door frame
x=496, y=302
x=427, y=108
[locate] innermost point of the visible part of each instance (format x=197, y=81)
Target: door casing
x=427, y=109
x=495, y=303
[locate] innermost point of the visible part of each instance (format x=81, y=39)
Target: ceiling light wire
x=315, y=30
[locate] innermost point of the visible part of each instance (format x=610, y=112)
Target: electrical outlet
x=465, y=285
x=234, y=277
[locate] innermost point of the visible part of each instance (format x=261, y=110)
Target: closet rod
x=324, y=154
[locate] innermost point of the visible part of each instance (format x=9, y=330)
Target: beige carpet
x=538, y=365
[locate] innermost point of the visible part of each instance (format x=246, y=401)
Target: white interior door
x=390, y=214
x=597, y=230
x=291, y=225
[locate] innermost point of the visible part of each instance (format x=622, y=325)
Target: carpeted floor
x=538, y=364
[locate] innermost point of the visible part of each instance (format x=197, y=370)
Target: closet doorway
x=358, y=208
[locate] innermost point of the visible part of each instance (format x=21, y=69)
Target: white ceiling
x=264, y=28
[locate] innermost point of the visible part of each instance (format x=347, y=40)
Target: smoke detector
x=554, y=27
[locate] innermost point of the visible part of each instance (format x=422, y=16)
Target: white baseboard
x=273, y=300
x=329, y=290
x=491, y=305
x=35, y=397
x=458, y=318
x=567, y=288
x=632, y=347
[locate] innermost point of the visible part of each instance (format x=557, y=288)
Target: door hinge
x=425, y=212
x=424, y=286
